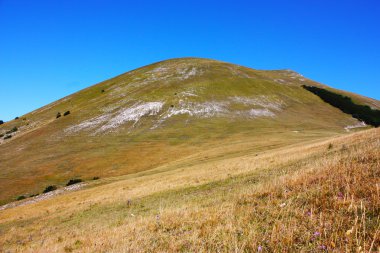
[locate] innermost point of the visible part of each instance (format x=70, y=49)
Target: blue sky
x=49, y=49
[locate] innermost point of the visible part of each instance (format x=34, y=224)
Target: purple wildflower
x=259, y=249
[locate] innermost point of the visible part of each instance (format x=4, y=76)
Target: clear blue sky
x=49, y=49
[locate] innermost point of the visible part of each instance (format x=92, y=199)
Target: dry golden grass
x=302, y=198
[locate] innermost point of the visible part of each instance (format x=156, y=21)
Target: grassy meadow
x=317, y=196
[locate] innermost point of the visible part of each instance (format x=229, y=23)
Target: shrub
x=330, y=146
x=34, y=195
x=346, y=105
x=2, y=135
x=58, y=115
x=1, y=122
x=21, y=197
x=7, y=137
x=103, y=91
x=74, y=181
x=50, y=188
x=16, y=118
x=66, y=113
x=95, y=178
x=15, y=129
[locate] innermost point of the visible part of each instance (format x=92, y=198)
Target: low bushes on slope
x=21, y=197
x=74, y=181
x=50, y=188
x=346, y=105
x=13, y=130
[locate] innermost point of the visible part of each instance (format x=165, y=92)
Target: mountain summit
x=164, y=112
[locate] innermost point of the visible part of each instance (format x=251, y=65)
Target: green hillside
x=181, y=110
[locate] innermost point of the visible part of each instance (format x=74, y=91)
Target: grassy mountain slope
x=317, y=196
x=180, y=110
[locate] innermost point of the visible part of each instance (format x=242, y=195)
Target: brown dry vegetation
x=312, y=197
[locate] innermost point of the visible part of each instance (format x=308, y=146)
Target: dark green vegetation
x=21, y=197
x=53, y=187
x=50, y=188
x=66, y=113
x=345, y=104
x=1, y=122
x=13, y=130
x=74, y=181
x=58, y=115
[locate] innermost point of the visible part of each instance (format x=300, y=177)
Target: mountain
x=194, y=155
x=179, y=111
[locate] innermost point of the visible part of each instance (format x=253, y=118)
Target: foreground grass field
x=316, y=196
